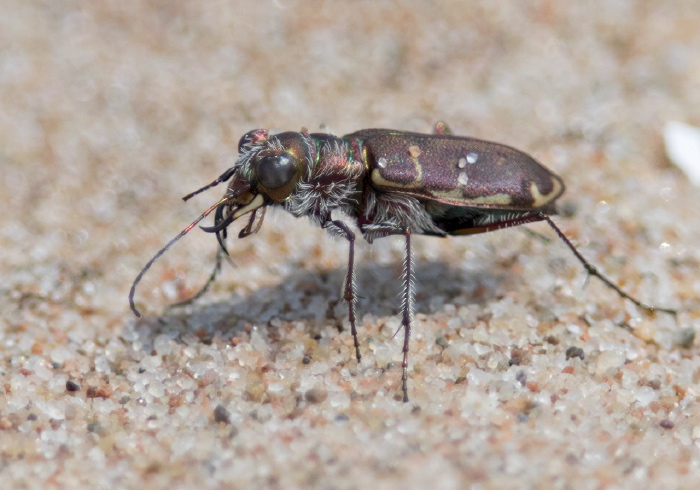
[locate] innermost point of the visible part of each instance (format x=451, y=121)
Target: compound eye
x=275, y=171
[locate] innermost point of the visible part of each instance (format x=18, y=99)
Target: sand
x=520, y=375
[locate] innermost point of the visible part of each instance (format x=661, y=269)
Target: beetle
x=390, y=183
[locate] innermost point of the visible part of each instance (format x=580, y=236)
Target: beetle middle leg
x=407, y=295
x=407, y=311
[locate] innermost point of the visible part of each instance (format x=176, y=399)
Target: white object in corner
x=683, y=148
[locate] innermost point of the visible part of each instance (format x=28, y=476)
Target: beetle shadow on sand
x=314, y=298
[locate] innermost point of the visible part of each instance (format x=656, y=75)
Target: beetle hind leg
x=593, y=271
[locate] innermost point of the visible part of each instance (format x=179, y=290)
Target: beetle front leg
x=349, y=291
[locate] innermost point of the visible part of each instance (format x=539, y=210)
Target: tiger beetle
x=390, y=183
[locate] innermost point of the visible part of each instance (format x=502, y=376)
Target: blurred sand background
x=111, y=111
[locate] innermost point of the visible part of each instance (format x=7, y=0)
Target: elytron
x=389, y=183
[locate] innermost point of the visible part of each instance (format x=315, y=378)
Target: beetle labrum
x=390, y=183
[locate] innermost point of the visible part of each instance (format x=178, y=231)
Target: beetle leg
x=593, y=271
x=407, y=295
x=590, y=268
x=441, y=127
x=349, y=291
x=407, y=311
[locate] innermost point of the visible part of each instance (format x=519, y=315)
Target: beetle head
x=266, y=173
x=271, y=165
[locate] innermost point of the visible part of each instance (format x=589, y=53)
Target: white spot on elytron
x=472, y=157
x=462, y=162
x=462, y=178
x=381, y=163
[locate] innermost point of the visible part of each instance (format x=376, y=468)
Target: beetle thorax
x=331, y=183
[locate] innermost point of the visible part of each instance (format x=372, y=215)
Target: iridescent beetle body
x=463, y=184
x=389, y=182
